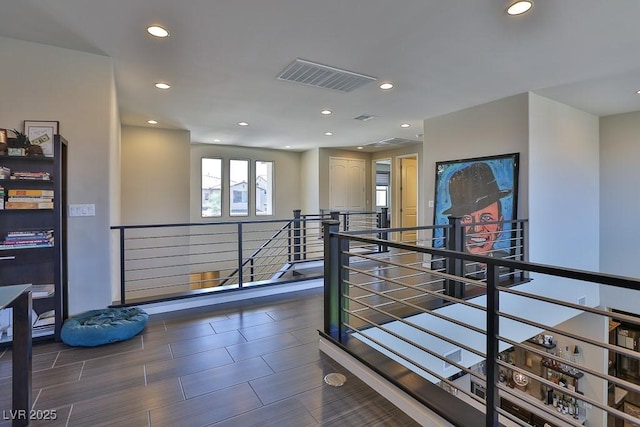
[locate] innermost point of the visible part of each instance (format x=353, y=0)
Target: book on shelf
x=36, y=176
x=29, y=233
x=27, y=239
x=5, y=173
x=23, y=192
x=28, y=205
x=48, y=318
x=30, y=199
x=42, y=291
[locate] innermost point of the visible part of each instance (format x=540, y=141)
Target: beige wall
x=287, y=179
x=499, y=127
x=155, y=175
x=310, y=181
x=563, y=184
x=41, y=82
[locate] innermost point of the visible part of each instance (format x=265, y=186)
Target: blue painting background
x=505, y=171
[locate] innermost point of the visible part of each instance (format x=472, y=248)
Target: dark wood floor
x=239, y=364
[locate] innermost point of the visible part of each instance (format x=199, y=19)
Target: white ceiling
x=223, y=57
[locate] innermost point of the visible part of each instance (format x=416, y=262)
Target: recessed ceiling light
x=359, y=148
x=162, y=86
x=287, y=146
x=386, y=86
x=152, y=122
x=158, y=31
x=216, y=140
x=519, y=7
x=243, y=124
x=325, y=112
x=638, y=92
x=405, y=125
x=328, y=133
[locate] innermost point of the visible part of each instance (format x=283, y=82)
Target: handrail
x=179, y=260
x=360, y=308
x=251, y=257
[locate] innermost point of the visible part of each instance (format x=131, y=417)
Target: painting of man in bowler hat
x=481, y=192
x=475, y=198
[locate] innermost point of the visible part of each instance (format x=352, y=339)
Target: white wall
x=286, y=189
x=499, y=127
x=155, y=175
x=39, y=82
x=595, y=327
x=563, y=185
x=619, y=201
x=310, y=181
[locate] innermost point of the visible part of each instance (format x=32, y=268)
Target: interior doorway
x=408, y=196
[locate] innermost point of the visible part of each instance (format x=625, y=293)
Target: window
x=239, y=187
x=264, y=188
x=211, y=185
x=382, y=196
x=383, y=180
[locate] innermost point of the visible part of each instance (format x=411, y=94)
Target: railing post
x=345, y=221
x=383, y=222
x=455, y=266
x=122, y=258
x=240, y=272
x=331, y=279
x=493, y=331
x=296, y=234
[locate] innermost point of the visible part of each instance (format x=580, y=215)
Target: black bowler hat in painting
x=473, y=188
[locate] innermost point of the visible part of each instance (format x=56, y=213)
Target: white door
x=347, y=184
x=409, y=197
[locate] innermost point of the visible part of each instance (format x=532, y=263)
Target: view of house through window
x=264, y=188
x=239, y=187
x=211, y=187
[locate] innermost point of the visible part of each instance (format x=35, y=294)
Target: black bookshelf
x=37, y=263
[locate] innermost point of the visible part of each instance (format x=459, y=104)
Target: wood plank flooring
x=248, y=363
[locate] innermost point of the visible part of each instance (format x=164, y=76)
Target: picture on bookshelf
x=41, y=133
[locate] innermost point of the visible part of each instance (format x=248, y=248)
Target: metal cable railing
x=168, y=261
x=515, y=353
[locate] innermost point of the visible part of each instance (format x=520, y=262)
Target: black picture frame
x=504, y=189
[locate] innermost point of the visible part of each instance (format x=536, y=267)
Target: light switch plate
x=82, y=210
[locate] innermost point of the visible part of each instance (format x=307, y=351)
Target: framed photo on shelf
x=41, y=133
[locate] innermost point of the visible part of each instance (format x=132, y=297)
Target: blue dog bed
x=98, y=327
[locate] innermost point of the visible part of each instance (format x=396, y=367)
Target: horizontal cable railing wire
x=168, y=261
x=399, y=305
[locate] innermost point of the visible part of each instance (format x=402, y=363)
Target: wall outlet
x=430, y=203
x=82, y=210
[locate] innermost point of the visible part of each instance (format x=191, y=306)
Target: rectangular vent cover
x=365, y=117
x=392, y=142
x=453, y=356
x=313, y=74
x=582, y=300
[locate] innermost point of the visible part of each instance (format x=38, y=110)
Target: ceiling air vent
x=313, y=74
x=392, y=142
x=365, y=117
